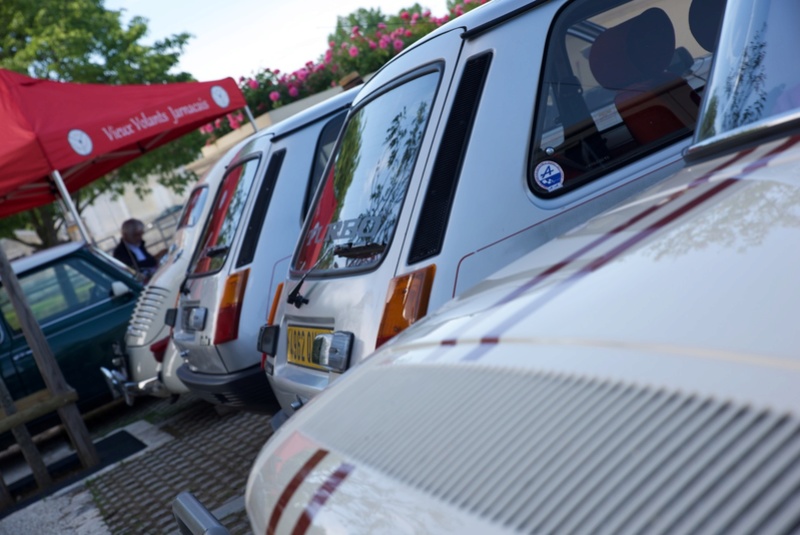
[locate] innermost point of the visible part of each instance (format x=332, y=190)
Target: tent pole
x=62, y=189
x=251, y=118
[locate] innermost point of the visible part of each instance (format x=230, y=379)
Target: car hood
x=638, y=373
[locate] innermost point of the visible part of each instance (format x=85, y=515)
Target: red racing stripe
x=320, y=497
x=604, y=259
x=291, y=488
x=555, y=268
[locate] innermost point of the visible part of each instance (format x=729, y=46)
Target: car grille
x=150, y=309
x=540, y=453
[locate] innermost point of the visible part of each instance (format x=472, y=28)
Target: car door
x=8, y=368
x=82, y=320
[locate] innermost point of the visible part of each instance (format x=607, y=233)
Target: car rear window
x=194, y=207
x=226, y=213
x=327, y=140
x=355, y=212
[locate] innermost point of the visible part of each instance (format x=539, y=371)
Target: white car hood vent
x=150, y=309
x=539, y=453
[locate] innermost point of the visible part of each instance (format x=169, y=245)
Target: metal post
x=62, y=189
x=251, y=118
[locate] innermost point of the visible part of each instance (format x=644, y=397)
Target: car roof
x=483, y=17
x=314, y=113
x=259, y=141
x=39, y=258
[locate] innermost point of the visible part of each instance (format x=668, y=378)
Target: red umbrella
x=51, y=131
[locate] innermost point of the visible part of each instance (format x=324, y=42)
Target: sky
x=239, y=37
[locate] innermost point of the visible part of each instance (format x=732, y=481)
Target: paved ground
x=192, y=447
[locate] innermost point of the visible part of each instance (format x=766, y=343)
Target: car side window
x=620, y=80
x=58, y=290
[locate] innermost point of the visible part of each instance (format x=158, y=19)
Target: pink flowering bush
x=362, y=42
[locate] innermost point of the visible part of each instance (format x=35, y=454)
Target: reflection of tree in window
x=402, y=141
x=229, y=224
x=743, y=92
x=741, y=222
x=348, y=160
x=226, y=214
x=344, y=170
x=357, y=209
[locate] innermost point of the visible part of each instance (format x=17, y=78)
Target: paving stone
x=211, y=456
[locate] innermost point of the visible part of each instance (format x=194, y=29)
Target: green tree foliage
x=82, y=41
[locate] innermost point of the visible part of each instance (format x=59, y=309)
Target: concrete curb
x=72, y=509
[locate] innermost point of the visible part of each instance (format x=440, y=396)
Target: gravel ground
x=191, y=447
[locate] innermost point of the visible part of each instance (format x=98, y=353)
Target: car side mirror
x=119, y=288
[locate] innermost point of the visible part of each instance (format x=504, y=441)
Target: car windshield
x=755, y=79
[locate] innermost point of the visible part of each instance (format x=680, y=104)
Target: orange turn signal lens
x=230, y=307
x=276, y=299
x=406, y=302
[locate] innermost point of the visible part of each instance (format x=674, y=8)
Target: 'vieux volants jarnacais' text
x=143, y=121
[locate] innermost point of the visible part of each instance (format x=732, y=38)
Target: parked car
x=637, y=375
x=83, y=299
x=244, y=252
x=470, y=149
x=152, y=358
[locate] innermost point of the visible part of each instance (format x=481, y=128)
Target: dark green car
x=83, y=300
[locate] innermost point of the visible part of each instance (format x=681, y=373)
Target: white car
x=244, y=252
x=501, y=130
x=637, y=375
x=152, y=358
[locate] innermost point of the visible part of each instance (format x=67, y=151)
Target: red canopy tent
x=51, y=131
x=57, y=137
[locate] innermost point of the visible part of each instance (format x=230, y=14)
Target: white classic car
x=497, y=132
x=152, y=358
x=638, y=374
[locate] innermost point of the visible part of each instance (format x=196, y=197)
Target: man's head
x=132, y=231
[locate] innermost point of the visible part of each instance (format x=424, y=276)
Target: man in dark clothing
x=131, y=250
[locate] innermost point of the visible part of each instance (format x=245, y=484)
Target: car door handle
x=19, y=356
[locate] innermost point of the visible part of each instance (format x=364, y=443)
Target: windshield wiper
x=217, y=250
x=349, y=250
x=295, y=297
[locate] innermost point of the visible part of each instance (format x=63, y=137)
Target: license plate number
x=300, y=343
